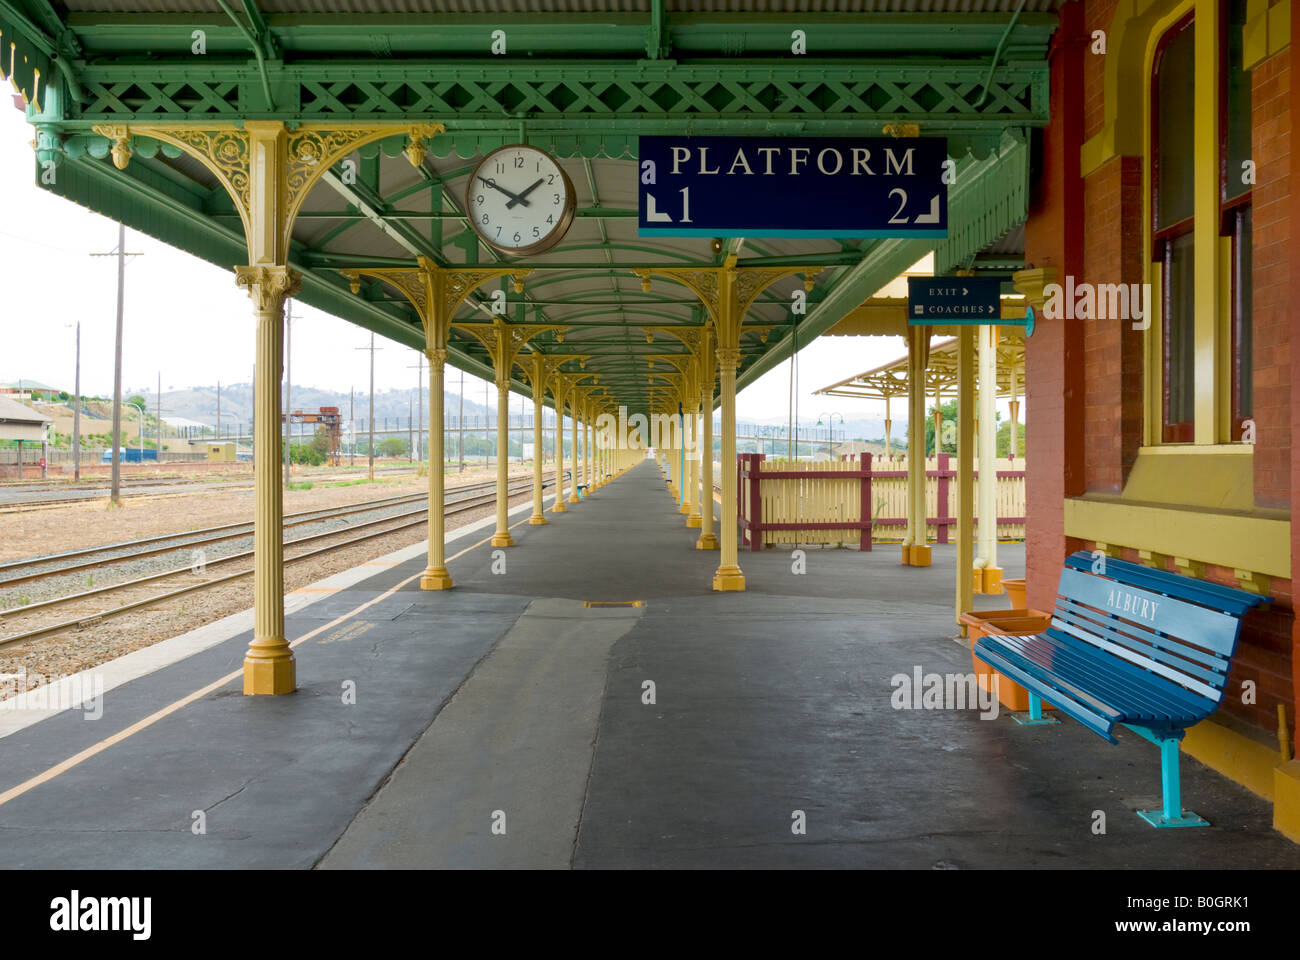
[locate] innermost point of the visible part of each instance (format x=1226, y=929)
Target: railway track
x=458, y=500
x=81, y=493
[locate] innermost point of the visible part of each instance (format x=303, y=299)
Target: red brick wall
x=1097, y=16
x=1271, y=313
x=1112, y=253
x=1054, y=354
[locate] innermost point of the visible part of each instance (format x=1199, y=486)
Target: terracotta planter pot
x=1019, y=621
x=1015, y=592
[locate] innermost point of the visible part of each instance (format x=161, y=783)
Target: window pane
x=1243, y=341
x=1236, y=144
x=1176, y=115
x=1179, y=332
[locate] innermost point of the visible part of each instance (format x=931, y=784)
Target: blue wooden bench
x=1134, y=646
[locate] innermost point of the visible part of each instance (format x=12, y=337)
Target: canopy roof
x=580, y=79
x=890, y=380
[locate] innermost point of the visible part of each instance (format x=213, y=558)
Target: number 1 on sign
x=686, y=204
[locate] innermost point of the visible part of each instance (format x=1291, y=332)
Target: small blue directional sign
x=792, y=187
x=943, y=301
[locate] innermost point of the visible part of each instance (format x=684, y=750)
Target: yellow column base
x=707, y=541
x=694, y=520
x=536, y=520
x=502, y=538
x=729, y=578
x=916, y=555
x=684, y=508
x=275, y=673
x=574, y=498
x=436, y=579
x=559, y=507
x=987, y=580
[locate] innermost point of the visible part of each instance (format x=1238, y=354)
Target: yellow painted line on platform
x=95, y=749
x=611, y=603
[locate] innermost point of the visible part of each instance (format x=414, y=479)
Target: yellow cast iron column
x=435, y=576
x=728, y=576
x=987, y=574
x=965, y=468
x=573, y=454
x=436, y=293
x=502, y=537
x=269, y=663
x=586, y=446
x=503, y=342
x=916, y=551
x=559, y=392
x=707, y=540
x=693, y=518
x=537, y=381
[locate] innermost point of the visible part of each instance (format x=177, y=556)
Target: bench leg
x=1035, y=717
x=1172, y=814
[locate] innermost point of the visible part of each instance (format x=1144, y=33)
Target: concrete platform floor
x=506, y=723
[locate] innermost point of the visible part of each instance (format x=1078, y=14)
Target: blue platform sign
x=792, y=187
x=941, y=301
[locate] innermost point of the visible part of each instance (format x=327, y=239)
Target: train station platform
x=509, y=722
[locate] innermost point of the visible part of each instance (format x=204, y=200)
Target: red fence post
x=756, y=501
x=942, y=499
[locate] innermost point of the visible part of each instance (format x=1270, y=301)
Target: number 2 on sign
x=901, y=204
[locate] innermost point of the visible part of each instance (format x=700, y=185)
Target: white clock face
x=519, y=200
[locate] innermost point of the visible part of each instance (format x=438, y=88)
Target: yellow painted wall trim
x=1236, y=540
x=1197, y=449
x=1286, y=799
x=1267, y=31
x=1239, y=758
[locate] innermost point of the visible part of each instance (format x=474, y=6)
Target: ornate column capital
x=436, y=354
x=268, y=286
x=728, y=358
x=1032, y=282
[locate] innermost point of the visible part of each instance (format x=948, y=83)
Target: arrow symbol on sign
x=964, y=291
x=651, y=214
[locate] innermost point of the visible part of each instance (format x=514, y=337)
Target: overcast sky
x=186, y=318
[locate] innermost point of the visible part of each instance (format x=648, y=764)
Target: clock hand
x=520, y=198
x=513, y=197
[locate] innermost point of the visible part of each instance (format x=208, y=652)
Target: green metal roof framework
x=583, y=85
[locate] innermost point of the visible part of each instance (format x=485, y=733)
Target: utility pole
x=487, y=426
x=371, y=442
x=419, y=409
x=288, y=387
x=218, y=410
x=76, y=413
x=158, y=414
x=460, y=424
x=352, y=427
x=410, y=430
x=115, y=493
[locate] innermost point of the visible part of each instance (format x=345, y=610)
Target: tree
x=391, y=447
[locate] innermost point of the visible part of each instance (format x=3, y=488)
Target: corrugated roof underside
x=566, y=6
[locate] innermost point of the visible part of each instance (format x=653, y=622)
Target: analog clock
x=519, y=200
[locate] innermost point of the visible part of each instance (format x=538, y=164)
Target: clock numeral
x=550, y=179
x=557, y=197
x=516, y=238
x=536, y=233
x=550, y=218
x=519, y=161
x=484, y=219
x=501, y=167
x=479, y=199
x=498, y=233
